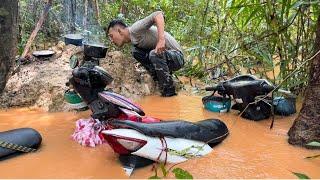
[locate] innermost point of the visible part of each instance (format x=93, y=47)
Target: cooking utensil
x=75, y=39
x=96, y=50
x=43, y=53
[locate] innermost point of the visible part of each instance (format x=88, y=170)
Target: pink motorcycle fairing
x=121, y=101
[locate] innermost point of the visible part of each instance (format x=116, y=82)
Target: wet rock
x=129, y=80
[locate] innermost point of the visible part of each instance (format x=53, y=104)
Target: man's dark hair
x=115, y=22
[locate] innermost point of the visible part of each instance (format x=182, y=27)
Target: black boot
x=168, y=92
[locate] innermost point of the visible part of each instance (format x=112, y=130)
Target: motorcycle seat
x=211, y=131
x=249, y=84
x=247, y=90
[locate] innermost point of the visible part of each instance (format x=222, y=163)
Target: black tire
x=257, y=112
x=26, y=137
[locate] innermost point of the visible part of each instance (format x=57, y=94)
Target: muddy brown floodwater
x=252, y=150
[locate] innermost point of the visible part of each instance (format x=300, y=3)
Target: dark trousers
x=161, y=66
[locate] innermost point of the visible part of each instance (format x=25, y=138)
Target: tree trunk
x=37, y=28
x=66, y=15
x=306, y=127
x=73, y=15
x=124, y=8
x=85, y=16
x=97, y=10
x=8, y=38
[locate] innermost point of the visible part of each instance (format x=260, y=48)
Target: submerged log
x=306, y=128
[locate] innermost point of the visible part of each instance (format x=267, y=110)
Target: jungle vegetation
x=268, y=38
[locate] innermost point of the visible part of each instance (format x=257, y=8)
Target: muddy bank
x=41, y=83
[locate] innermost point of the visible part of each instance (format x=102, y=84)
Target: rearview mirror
x=73, y=61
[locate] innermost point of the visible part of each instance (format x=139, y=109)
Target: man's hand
x=160, y=48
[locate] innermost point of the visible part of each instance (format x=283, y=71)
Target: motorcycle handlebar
x=213, y=88
x=288, y=93
x=284, y=91
x=267, y=87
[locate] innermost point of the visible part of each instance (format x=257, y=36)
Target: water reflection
x=251, y=150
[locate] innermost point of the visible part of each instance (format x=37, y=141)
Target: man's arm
x=156, y=18
x=145, y=23
x=159, y=21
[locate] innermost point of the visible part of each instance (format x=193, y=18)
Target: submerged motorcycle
x=140, y=140
x=250, y=95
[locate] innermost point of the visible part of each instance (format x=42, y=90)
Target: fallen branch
x=36, y=29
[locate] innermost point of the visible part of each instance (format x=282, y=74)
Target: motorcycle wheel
x=258, y=111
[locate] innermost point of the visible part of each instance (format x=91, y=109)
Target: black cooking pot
x=75, y=39
x=96, y=50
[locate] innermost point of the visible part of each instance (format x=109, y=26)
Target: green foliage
x=313, y=157
x=178, y=172
x=163, y=169
x=251, y=35
x=185, y=152
x=314, y=144
x=181, y=174
x=300, y=175
x=29, y=14
x=154, y=177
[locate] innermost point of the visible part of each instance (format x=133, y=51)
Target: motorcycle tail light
x=131, y=144
x=124, y=145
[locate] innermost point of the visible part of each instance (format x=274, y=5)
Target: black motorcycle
x=252, y=97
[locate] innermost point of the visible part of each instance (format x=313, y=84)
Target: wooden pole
x=36, y=29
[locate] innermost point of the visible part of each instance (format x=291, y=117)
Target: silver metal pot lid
x=43, y=53
x=73, y=36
